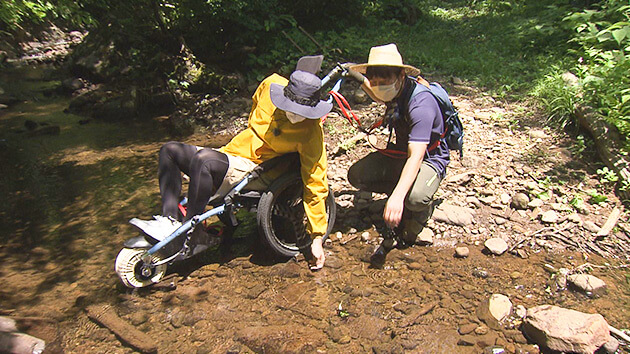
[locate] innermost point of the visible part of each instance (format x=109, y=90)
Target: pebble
x=426, y=236
x=467, y=328
x=365, y=236
x=499, y=220
x=520, y=311
x=414, y=266
x=480, y=273
x=345, y=339
x=462, y=252
x=536, y=203
x=496, y=245
x=481, y=330
x=550, y=217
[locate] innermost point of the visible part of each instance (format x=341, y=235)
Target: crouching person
x=411, y=170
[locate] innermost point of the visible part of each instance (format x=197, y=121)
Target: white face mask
x=385, y=93
x=294, y=118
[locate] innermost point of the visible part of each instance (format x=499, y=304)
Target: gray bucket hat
x=302, y=93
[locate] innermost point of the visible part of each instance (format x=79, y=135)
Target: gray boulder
x=454, y=215
x=565, y=330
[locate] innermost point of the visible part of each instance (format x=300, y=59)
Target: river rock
x=454, y=215
x=425, y=237
x=611, y=346
x=7, y=324
x=536, y=203
x=16, y=342
x=496, y=245
x=520, y=311
x=565, y=330
x=519, y=201
x=550, y=217
x=467, y=328
x=500, y=306
x=588, y=283
x=462, y=252
x=494, y=310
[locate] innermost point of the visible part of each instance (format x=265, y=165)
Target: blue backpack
x=454, y=130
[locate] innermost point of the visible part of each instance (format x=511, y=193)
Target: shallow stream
x=66, y=199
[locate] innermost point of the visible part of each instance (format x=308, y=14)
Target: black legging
x=206, y=169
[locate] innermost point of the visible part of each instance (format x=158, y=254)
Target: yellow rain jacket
x=270, y=134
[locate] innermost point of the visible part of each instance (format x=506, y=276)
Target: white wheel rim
x=126, y=263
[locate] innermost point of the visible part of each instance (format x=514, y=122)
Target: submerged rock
x=590, y=284
x=462, y=252
x=494, y=310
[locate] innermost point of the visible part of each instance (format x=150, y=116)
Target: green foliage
x=603, y=36
x=15, y=13
x=558, y=97
x=596, y=198
x=607, y=176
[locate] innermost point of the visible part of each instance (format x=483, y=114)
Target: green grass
x=503, y=48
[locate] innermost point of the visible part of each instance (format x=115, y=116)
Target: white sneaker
x=159, y=228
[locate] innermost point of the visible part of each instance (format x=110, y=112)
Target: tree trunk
x=608, y=143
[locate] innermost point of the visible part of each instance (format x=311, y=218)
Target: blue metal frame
x=188, y=225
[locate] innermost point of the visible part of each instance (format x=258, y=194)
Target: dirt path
x=69, y=196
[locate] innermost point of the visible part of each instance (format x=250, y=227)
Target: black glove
x=356, y=75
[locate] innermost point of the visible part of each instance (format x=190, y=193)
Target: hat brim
x=409, y=70
x=281, y=101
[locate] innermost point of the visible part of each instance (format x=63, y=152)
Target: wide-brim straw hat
x=302, y=94
x=386, y=55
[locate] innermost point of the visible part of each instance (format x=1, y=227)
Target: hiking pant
x=205, y=167
x=379, y=173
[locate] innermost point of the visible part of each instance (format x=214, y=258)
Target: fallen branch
x=612, y=220
x=349, y=239
x=564, y=240
x=413, y=318
x=619, y=333
x=105, y=315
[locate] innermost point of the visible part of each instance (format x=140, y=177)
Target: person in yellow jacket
x=285, y=118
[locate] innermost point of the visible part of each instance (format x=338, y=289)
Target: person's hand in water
x=317, y=248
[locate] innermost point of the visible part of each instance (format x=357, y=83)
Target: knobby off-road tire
x=128, y=268
x=281, y=217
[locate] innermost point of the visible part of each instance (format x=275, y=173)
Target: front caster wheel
x=129, y=267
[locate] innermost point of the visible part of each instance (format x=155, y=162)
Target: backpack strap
x=422, y=88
